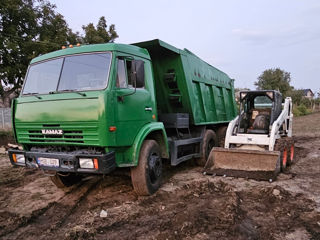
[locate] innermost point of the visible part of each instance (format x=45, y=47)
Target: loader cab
x=258, y=111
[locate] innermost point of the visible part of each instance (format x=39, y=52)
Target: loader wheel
x=291, y=154
x=284, y=158
x=147, y=176
x=209, y=141
x=221, y=136
x=62, y=180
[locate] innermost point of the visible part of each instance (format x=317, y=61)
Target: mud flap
x=259, y=165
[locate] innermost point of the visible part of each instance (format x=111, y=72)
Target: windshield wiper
x=73, y=91
x=33, y=94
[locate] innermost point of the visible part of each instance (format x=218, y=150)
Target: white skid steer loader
x=258, y=142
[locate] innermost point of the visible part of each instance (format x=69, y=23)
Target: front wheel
x=147, y=176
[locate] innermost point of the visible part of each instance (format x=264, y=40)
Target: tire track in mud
x=53, y=216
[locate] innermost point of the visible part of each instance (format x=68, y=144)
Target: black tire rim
x=155, y=167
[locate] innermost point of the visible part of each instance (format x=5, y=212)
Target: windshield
x=262, y=102
x=255, y=102
x=71, y=73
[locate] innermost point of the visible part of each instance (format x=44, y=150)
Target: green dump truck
x=89, y=109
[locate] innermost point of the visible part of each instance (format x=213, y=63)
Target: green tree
x=296, y=95
x=275, y=79
x=18, y=28
x=29, y=28
x=100, y=33
x=52, y=30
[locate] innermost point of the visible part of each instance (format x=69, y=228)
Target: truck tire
x=221, y=134
x=209, y=141
x=62, y=181
x=147, y=176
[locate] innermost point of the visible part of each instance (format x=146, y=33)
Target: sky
x=240, y=37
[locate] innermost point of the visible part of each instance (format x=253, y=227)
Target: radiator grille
x=73, y=133
x=74, y=136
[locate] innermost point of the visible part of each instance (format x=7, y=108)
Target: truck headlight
x=88, y=163
x=19, y=158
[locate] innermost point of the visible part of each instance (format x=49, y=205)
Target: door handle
x=148, y=109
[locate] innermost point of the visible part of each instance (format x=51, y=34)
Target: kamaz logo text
x=51, y=132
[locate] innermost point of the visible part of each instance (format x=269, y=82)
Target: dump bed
x=186, y=84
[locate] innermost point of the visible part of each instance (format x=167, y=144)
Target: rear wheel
x=147, y=176
x=209, y=141
x=62, y=180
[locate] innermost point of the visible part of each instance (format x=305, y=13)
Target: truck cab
x=89, y=109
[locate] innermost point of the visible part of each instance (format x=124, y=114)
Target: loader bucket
x=259, y=165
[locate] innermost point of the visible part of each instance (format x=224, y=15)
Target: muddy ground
x=189, y=205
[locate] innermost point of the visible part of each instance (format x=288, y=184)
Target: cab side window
x=130, y=72
x=139, y=67
x=121, y=75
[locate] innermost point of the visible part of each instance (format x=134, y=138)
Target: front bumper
x=67, y=162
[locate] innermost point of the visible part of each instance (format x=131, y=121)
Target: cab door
x=134, y=105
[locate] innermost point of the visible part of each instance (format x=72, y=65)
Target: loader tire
x=63, y=181
x=291, y=153
x=221, y=133
x=147, y=176
x=281, y=146
x=284, y=158
x=209, y=141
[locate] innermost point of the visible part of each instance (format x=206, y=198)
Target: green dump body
x=186, y=84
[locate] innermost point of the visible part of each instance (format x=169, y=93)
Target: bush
x=6, y=133
x=301, y=110
x=6, y=137
x=296, y=112
x=307, y=102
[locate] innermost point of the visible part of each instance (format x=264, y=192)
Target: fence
x=5, y=118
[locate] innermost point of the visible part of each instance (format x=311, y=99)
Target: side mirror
x=136, y=74
x=133, y=76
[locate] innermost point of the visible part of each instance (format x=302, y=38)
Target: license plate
x=50, y=162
